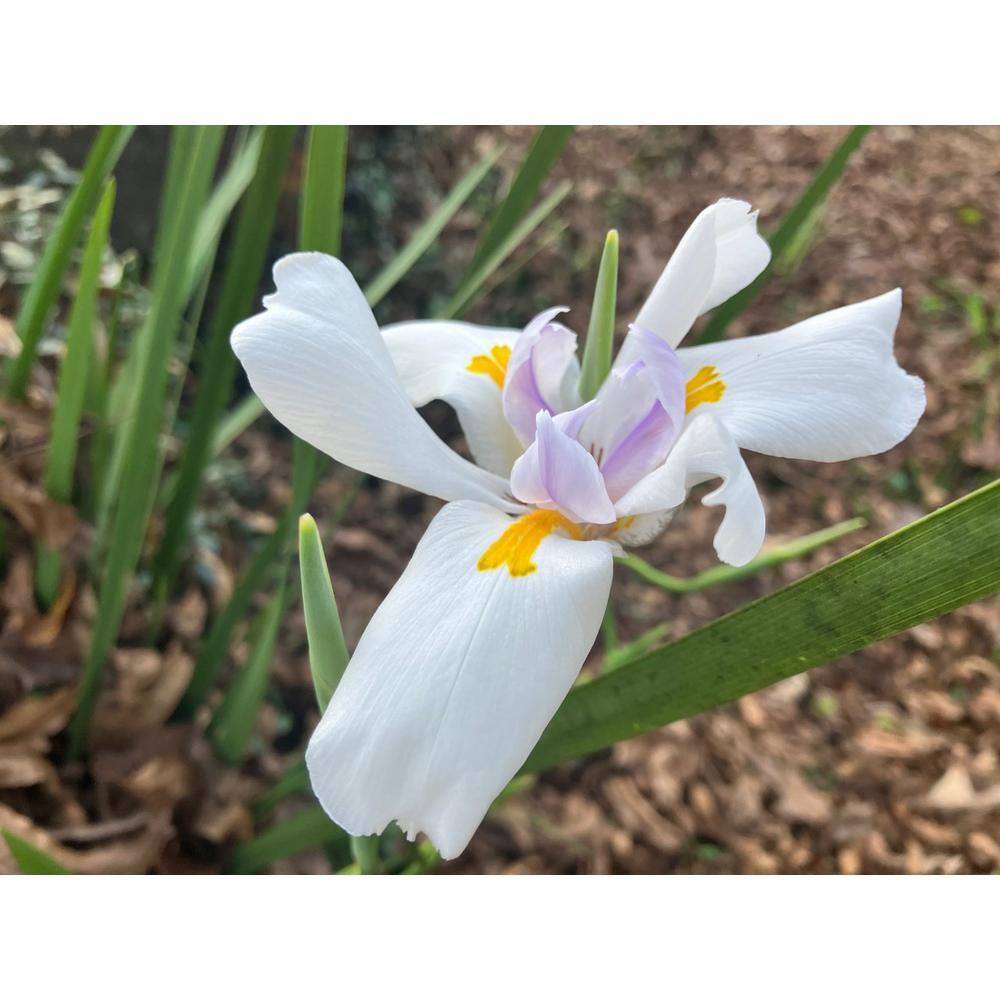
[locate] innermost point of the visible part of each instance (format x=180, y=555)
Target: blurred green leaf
x=467, y=291
x=30, y=860
x=141, y=470
x=599, y=346
x=302, y=832
x=235, y=297
x=546, y=148
x=294, y=781
x=319, y=223
x=789, y=230
x=78, y=357
x=321, y=214
x=78, y=360
x=365, y=852
x=937, y=564
x=425, y=236
x=41, y=296
x=269, y=558
x=239, y=174
x=235, y=422
x=236, y=717
x=328, y=654
x=122, y=397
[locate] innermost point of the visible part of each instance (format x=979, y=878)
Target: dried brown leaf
x=47, y=714
x=50, y=523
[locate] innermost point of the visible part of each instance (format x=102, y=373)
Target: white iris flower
x=470, y=655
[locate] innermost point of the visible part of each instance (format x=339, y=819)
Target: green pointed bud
x=599, y=348
x=327, y=650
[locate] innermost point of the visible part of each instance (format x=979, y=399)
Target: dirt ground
x=886, y=761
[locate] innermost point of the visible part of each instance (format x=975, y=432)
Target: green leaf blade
x=75, y=371
x=78, y=358
x=44, y=290
x=322, y=210
x=230, y=189
x=546, y=148
x=238, y=287
x=141, y=448
x=470, y=288
x=304, y=831
x=429, y=231
x=236, y=718
x=939, y=563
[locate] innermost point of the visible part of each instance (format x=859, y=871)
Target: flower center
x=705, y=386
x=493, y=365
x=515, y=547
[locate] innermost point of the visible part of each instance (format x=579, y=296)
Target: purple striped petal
x=541, y=374
x=558, y=472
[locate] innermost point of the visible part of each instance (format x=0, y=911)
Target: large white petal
x=454, y=679
x=706, y=451
x=317, y=361
x=826, y=389
x=433, y=358
x=720, y=254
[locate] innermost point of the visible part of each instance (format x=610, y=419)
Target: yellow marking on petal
x=515, y=547
x=706, y=386
x=623, y=524
x=493, y=364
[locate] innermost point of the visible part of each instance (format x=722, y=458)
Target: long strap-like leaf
x=238, y=285
x=44, y=290
x=937, y=564
x=141, y=470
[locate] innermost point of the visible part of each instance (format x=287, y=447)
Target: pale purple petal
x=571, y=421
x=664, y=368
x=622, y=402
x=526, y=478
x=557, y=471
x=639, y=415
x=640, y=451
x=540, y=373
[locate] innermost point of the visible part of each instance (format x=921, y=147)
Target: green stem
x=718, y=575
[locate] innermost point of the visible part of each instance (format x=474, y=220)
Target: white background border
x=527, y=61
x=441, y=937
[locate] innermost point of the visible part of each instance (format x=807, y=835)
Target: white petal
x=720, y=254
x=826, y=389
x=454, y=679
x=641, y=529
x=705, y=451
x=433, y=358
x=317, y=361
